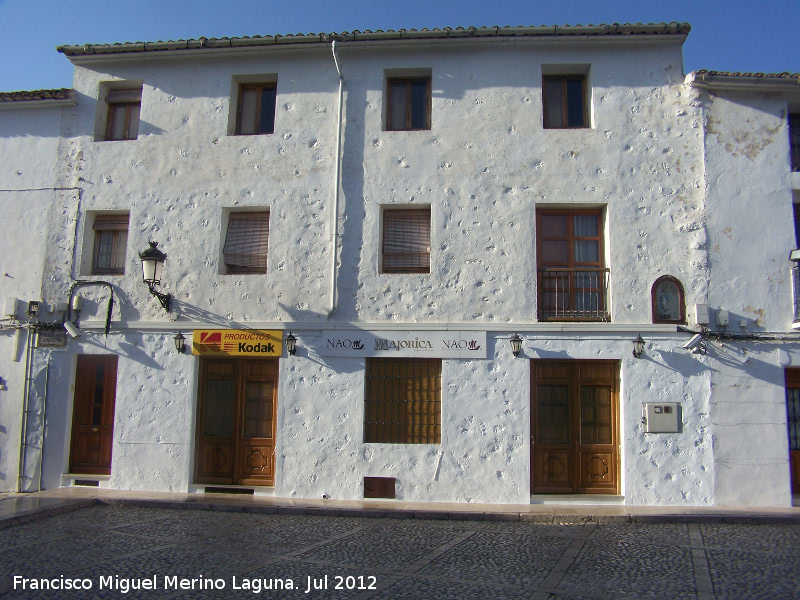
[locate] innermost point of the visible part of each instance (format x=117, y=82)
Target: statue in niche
x=668, y=301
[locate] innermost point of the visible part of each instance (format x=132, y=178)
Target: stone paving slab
x=233, y=555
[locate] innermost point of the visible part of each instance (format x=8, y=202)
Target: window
x=110, y=242
x=794, y=139
x=256, y=112
x=407, y=241
x=403, y=401
x=667, y=301
x=572, y=282
x=122, y=122
x=408, y=105
x=245, y=249
x=796, y=208
x=564, y=99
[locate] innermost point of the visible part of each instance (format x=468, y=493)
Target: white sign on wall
x=405, y=344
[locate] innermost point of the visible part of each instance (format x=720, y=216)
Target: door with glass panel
x=572, y=278
x=93, y=414
x=793, y=422
x=574, y=427
x=236, y=421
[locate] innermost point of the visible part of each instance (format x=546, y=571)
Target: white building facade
x=403, y=205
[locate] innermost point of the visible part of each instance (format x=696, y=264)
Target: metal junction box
x=661, y=418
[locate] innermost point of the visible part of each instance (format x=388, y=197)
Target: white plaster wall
x=154, y=411
x=484, y=167
x=749, y=208
x=483, y=455
x=29, y=140
x=750, y=234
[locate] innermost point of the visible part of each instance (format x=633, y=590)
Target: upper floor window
x=122, y=121
x=407, y=240
x=110, y=242
x=256, y=108
x=794, y=140
x=564, y=101
x=572, y=278
x=408, y=105
x=246, y=242
x=667, y=301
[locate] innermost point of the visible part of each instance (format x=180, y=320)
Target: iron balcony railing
x=579, y=294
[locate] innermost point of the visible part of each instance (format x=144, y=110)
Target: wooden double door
x=237, y=407
x=575, y=427
x=93, y=414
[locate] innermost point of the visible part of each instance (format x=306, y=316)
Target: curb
x=36, y=514
x=388, y=513
x=443, y=515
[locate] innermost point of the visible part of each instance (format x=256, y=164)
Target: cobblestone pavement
x=233, y=555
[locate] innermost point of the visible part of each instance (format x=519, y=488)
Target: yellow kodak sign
x=237, y=342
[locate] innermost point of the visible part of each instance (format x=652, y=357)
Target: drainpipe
x=336, y=181
x=23, y=442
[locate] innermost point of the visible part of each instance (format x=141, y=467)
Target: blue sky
x=730, y=35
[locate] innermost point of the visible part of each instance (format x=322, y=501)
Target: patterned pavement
x=159, y=554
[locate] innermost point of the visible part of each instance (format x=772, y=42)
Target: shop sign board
x=404, y=344
x=256, y=343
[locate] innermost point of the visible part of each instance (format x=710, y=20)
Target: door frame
x=580, y=456
x=238, y=442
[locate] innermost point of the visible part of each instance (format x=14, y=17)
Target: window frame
x=245, y=217
x=123, y=99
x=260, y=87
x=408, y=81
x=106, y=223
x=794, y=140
x=563, y=79
x=572, y=271
x=412, y=430
x=681, y=300
x=387, y=256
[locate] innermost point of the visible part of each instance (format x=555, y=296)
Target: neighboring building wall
x=750, y=224
x=29, y=137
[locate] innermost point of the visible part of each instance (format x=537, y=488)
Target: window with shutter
x=246, y=241
x=403, y=401
x=110, y=242
x=407, y=241
x=408, y=104
x=256, y=109
x=122, y=122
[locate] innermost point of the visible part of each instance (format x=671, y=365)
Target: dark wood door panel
x=93, y=414
x=574, y=427
x=236, y=422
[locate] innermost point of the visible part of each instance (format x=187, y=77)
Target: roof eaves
x=727, y=80
x=615, y=29
x=38, y=98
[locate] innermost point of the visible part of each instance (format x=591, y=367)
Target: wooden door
x=236, y=421
x=93, y=414
x=793, y=422
x=574, y=427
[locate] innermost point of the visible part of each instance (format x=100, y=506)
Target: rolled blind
x=246, y=242
x=115, y=96
x=407, y=241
